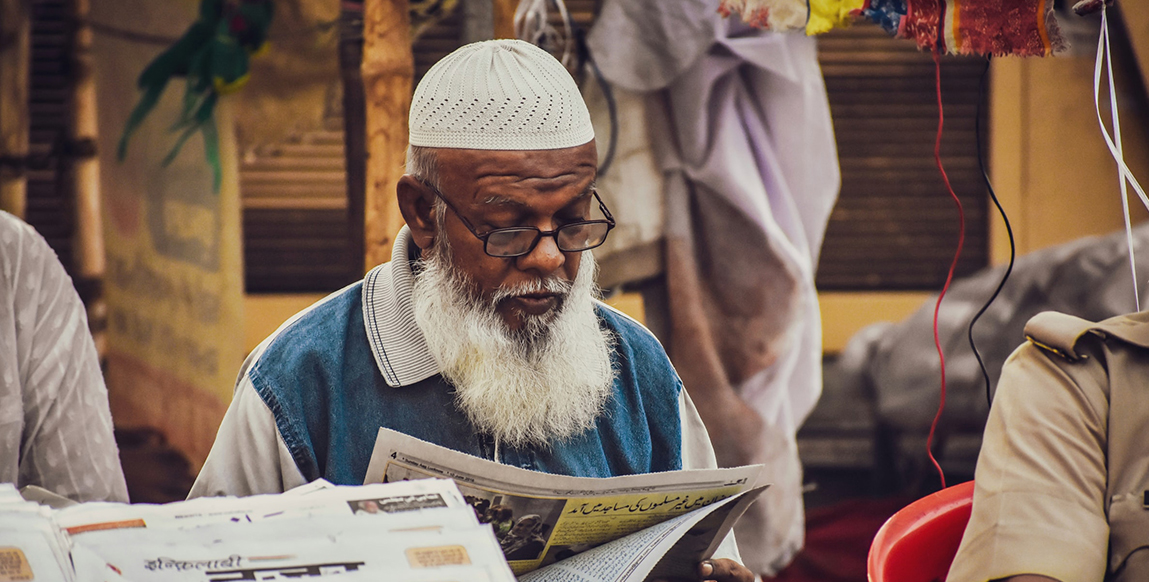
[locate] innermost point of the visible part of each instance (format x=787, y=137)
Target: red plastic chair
x=918, y=543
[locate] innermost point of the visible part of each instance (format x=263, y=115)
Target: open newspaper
x=547, y=525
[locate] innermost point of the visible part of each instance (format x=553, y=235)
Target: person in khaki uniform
x=1062, y=479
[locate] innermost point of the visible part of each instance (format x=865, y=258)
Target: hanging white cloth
x=750, y=176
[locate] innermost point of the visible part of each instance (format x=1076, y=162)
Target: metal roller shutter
x=49, y=207
x=895, y=226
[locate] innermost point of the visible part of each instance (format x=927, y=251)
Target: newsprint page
x=555, y=528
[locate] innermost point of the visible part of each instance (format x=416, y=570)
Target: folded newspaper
x=561, y=528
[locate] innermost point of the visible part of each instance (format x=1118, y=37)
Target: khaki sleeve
x=1039, y=498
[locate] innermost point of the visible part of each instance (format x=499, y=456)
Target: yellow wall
x=844, y=313
x=1053, y=171
x=174, y=280
x=263, y=314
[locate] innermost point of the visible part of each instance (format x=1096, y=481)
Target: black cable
x=1008, y=230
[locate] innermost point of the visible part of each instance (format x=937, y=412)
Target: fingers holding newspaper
x=717, y=570
x=724, y=570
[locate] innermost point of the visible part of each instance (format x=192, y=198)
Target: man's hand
x=724, y=570
x=719, y=570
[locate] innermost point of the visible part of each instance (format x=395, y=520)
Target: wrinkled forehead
x=474, y=175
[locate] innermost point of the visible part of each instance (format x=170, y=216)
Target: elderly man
x=482, y=333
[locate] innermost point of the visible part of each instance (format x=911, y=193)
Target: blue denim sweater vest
x=320, y=381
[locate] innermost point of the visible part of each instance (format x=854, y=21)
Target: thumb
x=724, y=570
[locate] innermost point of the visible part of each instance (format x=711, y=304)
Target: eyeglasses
x=517, y=241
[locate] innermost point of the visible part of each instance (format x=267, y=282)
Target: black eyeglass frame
x=539, y=234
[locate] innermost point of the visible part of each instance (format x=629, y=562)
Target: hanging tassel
x=923, y=23
x=1023, y=28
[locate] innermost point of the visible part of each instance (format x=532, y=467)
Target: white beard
x=547, y=382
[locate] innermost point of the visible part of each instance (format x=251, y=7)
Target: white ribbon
x=1123, y=172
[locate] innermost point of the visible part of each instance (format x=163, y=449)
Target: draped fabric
x=750, y=176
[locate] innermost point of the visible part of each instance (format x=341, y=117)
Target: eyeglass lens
x=511, y=242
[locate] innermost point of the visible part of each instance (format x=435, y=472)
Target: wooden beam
x=505, y=18
x=83, y=174
x=89, y=236
x=478, y=21
x=354, y=131
x=388, y=70
x=15, y=47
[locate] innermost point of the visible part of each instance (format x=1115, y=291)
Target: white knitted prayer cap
x=499, y=95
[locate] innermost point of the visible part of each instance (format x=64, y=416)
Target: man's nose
x=544, y=259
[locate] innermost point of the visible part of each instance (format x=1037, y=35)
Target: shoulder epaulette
x=1058, y=333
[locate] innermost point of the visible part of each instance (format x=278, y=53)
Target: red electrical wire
x=953, y=266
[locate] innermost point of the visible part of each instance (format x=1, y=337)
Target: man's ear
x=418, y=212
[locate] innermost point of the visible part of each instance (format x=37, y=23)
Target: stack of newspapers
x=417, y=531
x=426, y=514
x=31, y=546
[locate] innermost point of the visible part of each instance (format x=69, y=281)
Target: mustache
x=554, y=285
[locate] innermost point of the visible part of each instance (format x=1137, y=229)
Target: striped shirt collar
x=397, y=343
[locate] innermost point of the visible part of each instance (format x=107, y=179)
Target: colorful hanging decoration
x=826, y=15
x=1001, y=27
x=213, y=56
x=923, y=22
x=956, y=27
x=888, y=14
x=776, y=15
